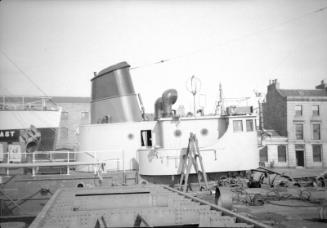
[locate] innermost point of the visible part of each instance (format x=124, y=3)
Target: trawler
x=123, y=139
x=155, y=147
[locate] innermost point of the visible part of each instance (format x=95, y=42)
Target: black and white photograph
x=163, y=113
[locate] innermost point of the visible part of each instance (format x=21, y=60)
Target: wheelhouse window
x=299, y=131
x=237, y=125
x=315, y=110
x=281, y=153
x=146, y=138
x=316, y=152
x=298, y=110
x=316, y=131
x=249, y=125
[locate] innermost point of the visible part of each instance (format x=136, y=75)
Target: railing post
x=7, y=170
x=95, y=160
x=68, y=168
x=33, y=161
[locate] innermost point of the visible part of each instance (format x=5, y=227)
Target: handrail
x=174, y=157
x=33, y=104
x=52, y=161
x=66, y=152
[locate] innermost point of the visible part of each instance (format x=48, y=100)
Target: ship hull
x=157, y=147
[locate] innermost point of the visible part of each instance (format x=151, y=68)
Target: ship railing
x=96, y=156
x=201, y=150
x=177, y=158
x=65, y=158
x=27, y=104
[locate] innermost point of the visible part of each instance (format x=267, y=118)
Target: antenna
x=193, y=86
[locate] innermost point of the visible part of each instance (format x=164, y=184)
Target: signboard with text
x=9, y=135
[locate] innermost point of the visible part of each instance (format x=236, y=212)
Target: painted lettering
x=9, y=135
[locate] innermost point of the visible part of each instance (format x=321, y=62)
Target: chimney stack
x=273, y=84
x=322, y=85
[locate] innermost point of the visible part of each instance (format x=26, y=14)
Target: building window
x=298, y=110
x=299, y=131
x=316, y=131
x=249, y=125
x=237, y=125
x=316, y=152
x=63, y=133
x=263, y=154
x=84, y=116
x=281, y=153
x=64, y=115
x=315, y=110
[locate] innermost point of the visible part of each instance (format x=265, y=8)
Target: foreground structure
x=134, y=206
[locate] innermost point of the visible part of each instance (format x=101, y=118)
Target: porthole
x=80, y=185
x=178, y=133
x=204, y=131
x=130, y=136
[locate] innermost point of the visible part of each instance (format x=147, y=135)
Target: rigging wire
x=25, y=75
x=206, y=49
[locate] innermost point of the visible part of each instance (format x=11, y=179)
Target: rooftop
x=302, y=92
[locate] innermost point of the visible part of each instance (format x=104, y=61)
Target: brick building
x=75, y=111
x=296, y=127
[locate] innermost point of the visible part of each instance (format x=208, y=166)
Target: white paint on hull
x=21, y=119
x=222, y=149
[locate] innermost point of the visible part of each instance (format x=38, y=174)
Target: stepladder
x=192, y=157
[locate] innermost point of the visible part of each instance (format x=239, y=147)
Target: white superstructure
x=120, y=135
x=156, y=147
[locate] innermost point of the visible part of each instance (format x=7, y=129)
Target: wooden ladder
x=192, y=157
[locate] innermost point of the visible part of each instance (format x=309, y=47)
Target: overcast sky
x=240, y=43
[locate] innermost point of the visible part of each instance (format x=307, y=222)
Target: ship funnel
x=113, y=96
x=163, y=105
